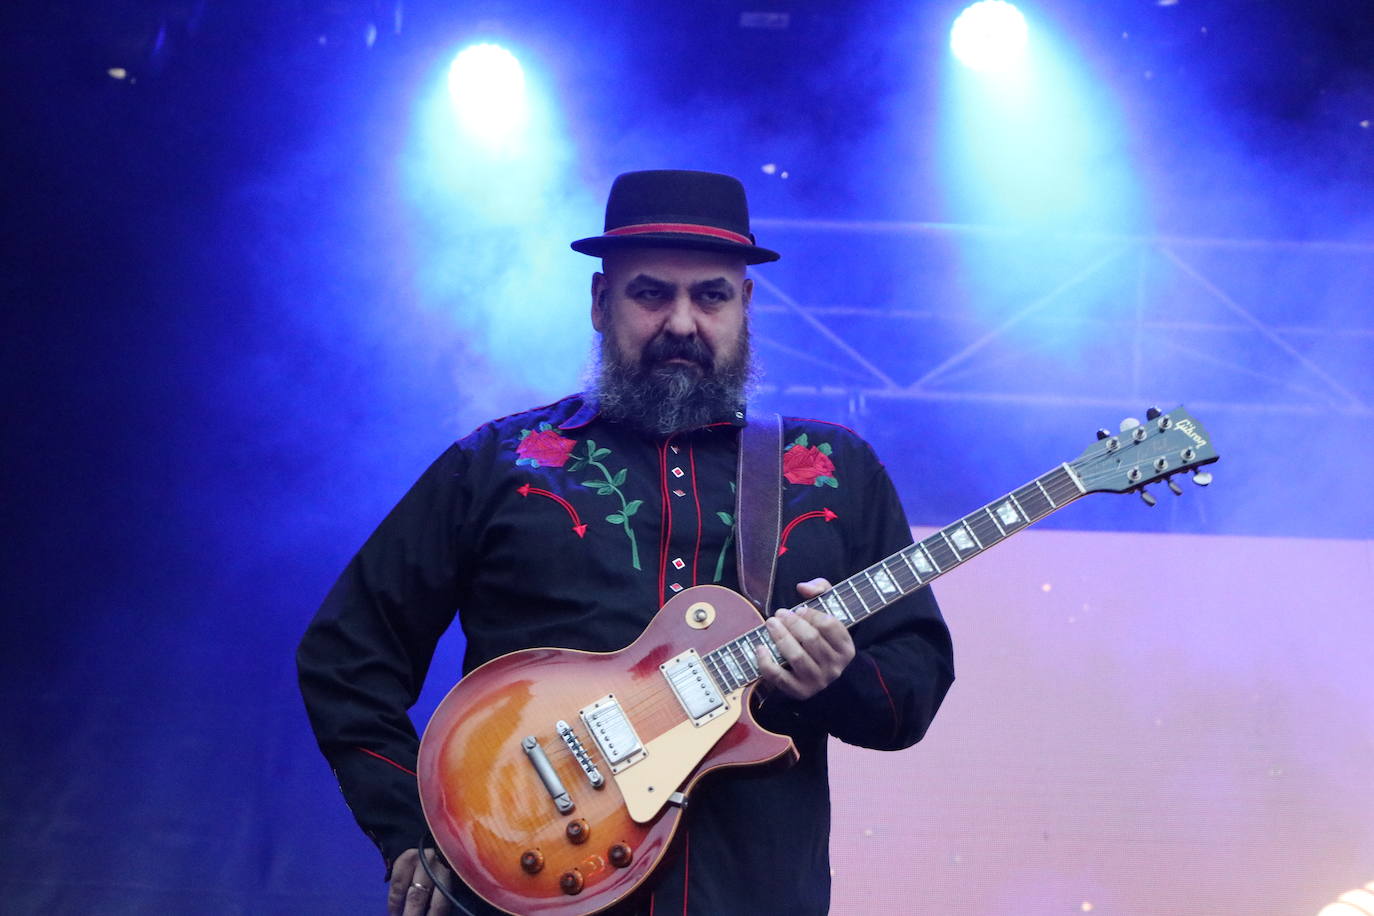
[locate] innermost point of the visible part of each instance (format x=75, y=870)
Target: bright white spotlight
x=989, y=36
x=487, y=88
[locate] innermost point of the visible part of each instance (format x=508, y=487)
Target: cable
x=424, y=863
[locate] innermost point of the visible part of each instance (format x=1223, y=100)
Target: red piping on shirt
x=882, y=683
x=667, y=518
x=696, y=497
x=385, y=760
x=819, y=513
x=578, y=526
x=686, y=865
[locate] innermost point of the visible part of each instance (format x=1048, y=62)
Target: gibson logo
x=1189, y=429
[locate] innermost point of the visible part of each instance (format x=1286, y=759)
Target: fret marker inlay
x=884, y=582
x=1007, y=512
x=961, y=538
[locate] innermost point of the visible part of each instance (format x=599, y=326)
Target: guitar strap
x=758, y=508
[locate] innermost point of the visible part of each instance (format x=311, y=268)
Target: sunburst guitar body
x=553, y=780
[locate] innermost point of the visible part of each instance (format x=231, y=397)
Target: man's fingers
x=833, y=632
x=402, y=871
x=813, y=587
x=411, y=892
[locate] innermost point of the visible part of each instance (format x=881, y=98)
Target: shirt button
x=678, y=472
x=678, y=563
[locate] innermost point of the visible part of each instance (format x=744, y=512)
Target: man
x=569, y=525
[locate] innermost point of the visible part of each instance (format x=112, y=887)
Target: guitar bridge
x=613, y=733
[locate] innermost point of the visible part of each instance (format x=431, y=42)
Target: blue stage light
x=486, y=86
x=989, y=36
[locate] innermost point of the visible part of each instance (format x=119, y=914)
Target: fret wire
x=746, y=661
x=973, y=534
x=993, y=516
x=931, y=557
x=930, y=544
x=877, y=592
x=990, y=533
x=737, y=657
x=897, y=590
x=950, y=546
x=1025, y=519
x=713, y=665
x=855, y=590
x=906, y=556
x=903, y=570
x=1046, y=492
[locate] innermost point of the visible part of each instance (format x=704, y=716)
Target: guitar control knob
x=571, y=882
x=578, y=831
x=532, y=861
x=620, y=855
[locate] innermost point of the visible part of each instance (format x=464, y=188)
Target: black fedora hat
x=669, y=208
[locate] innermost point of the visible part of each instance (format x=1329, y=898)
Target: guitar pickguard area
x=669, y=759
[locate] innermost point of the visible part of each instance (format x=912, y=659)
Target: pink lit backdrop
x=1152, y=725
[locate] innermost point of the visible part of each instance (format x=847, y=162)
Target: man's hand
x=410, y=893
x=817, y=648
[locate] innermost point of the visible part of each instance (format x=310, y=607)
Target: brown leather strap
x=758, y=508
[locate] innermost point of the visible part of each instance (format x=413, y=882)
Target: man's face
x=674, y=337
x=672, y=308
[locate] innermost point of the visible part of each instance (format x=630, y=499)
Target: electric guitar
x=553, y=780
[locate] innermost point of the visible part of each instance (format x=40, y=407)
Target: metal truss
x=1114, y=321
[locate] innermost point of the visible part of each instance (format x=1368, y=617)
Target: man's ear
x=746, y=291
x=599, y=301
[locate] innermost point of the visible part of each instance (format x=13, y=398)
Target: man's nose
x=682, y=319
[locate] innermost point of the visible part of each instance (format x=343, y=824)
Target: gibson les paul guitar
x=553, y=780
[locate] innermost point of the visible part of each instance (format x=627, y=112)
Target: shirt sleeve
x=904, y=663
x=364, y=656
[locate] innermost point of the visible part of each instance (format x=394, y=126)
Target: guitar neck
x=914, y=567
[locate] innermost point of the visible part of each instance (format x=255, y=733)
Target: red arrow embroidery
x=819, y=513
x=578, y=527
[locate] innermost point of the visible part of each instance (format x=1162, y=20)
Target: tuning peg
x=1129, y=423
x=1173, y=485
x=1148, y=497
x=1103, y=433
x=1153, y=413
x=1202, y=479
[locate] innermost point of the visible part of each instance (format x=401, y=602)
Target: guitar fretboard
x=868, y=592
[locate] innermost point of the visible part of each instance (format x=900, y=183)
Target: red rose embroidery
x=806, y=464
x=543, y=448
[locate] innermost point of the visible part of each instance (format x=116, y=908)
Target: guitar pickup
x=693, y=686
x=612, y=731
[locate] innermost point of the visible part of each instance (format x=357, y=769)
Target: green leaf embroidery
x=802, y=440
x=726, y=517
x=608, y=485
x=828, y=482
x=825, y=449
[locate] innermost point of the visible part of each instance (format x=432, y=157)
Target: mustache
x=673, y=346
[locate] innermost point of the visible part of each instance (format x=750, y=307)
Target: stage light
x=486, y=86
x=989, y=36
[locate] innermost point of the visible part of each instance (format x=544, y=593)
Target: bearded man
x=570, y=525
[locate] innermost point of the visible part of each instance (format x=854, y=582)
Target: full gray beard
x=665, y=399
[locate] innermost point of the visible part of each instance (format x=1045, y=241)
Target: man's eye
x=651, y=295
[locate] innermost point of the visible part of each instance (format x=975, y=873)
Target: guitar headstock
x=1142, y=453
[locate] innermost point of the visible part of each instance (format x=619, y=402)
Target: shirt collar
x=589, y=410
